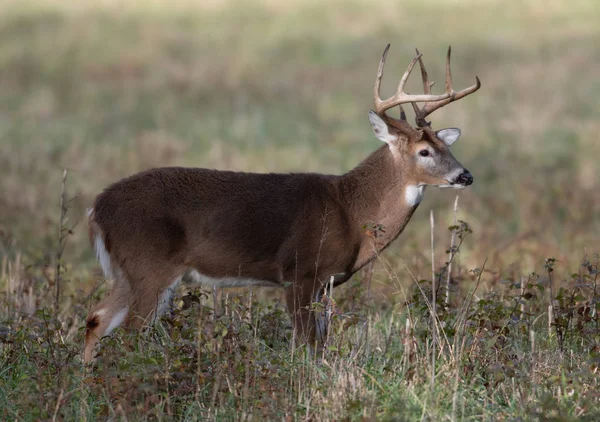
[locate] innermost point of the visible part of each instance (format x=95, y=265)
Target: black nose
x=465, y=178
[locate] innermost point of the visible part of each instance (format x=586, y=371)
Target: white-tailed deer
x=294, y=231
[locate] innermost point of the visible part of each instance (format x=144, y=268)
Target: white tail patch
x=102, y=255
x=117, y=320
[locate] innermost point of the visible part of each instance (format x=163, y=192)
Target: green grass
x=495, y=361
x=106, y=89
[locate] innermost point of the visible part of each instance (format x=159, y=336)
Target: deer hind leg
x=107, y=315
x=153, y=291
x=139, y=296
x=153, y=299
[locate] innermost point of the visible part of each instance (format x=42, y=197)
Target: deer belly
x=221, y=282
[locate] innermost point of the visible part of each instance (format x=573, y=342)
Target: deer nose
x=465, y=178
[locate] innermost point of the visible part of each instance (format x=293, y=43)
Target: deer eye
x=424, y=153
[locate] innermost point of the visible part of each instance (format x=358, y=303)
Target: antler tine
x=426, y=84
x=407, y=74
x=425, y=77
x=402, y=113
x=449, y=89
x=405, y=78
x=430, y=106
x=377, y=88
x=380, y=75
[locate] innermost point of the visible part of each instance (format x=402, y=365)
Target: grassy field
x=105, y=89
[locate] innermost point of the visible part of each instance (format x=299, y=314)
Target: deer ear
x=448, y=136
x=381, y=129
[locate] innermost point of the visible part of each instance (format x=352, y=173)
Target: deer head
x=422, y=153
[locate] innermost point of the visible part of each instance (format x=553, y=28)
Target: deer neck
x=381, y=201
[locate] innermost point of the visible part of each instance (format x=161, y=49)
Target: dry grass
x=109, y=88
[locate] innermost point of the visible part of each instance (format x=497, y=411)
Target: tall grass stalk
x=63, y=233
x=433, y=302
x=451, y=253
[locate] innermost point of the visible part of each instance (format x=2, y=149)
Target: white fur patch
x=413, y=195
x=230, y=281
x=380, y=128
x=102, y=255
x=427, y=162
x=117, y=320
x=448, y=136
x=455, y=186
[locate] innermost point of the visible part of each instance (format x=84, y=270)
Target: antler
x=432, y=102
x=432, y=105
x=400, y=97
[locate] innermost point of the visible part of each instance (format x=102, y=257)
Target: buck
x=293, y=231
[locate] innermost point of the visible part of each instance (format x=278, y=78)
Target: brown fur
x=290, y=230
x=298, y=228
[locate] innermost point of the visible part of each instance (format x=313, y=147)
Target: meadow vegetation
x=105, y=89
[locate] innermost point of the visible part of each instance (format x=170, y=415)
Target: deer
x=295, y=231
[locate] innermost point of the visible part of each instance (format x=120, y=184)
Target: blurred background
x=107, y=88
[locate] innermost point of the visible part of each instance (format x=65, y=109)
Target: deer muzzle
x=465, y=178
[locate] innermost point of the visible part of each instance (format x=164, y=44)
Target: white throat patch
x=413, y=195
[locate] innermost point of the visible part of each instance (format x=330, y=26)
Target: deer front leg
x=310, y=325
